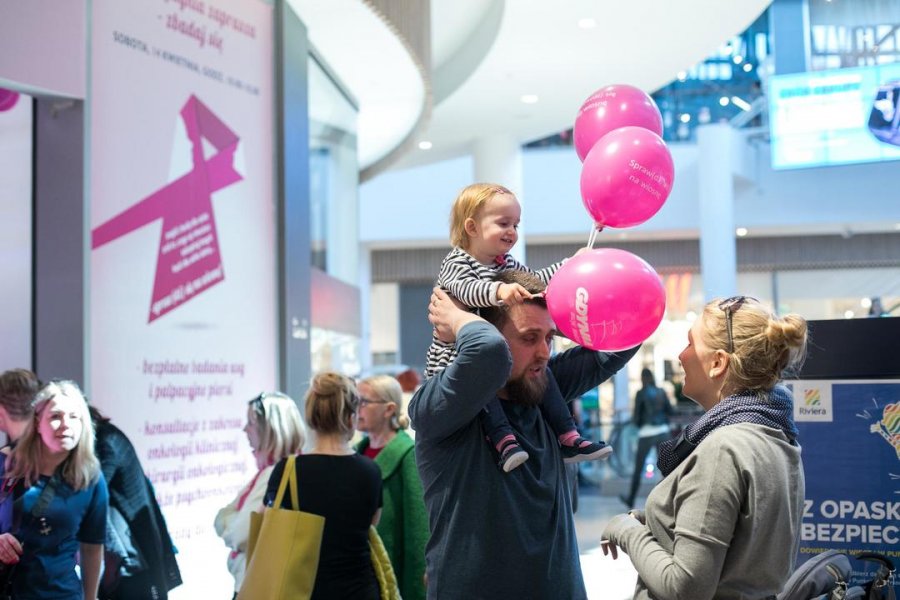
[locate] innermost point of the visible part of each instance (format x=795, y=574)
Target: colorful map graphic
x=889, y=426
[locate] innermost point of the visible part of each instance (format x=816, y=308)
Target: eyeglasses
x=730, y=306
x=366, y=401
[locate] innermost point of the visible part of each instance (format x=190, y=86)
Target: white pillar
x=498, y=159
x=718, y=248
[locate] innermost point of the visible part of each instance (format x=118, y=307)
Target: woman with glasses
x=724, y=523
x=404, y=522
x=275, y=430
x=335, y=482
x=60, y=501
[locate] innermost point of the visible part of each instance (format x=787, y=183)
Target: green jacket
x=404, y=522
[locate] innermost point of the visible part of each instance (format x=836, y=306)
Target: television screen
x=837, y=117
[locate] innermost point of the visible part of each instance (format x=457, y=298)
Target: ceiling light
x=740, y=103
x=685, y=118
x=741, y=231
x=848, y=314
x=425, y=145
x=738, y=59
x=747, y=67
x=866, y=303
x=724, y=101
x=529, y=99
x=587, y=23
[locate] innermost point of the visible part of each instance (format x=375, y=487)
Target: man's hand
x=512, y=294
x=448, y=315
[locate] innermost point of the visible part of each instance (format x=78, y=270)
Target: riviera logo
x=812, y=397
x=581, y=316
x=814, y=401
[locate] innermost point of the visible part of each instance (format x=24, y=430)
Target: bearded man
x=496, y=534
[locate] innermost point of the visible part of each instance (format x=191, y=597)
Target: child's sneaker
x=581, y=450
x=512, y=456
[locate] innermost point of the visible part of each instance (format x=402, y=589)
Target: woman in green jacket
x=404, y=522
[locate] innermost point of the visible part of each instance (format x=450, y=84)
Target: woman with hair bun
x=404, y=522
x=335, y=482
x=724, y=523
x=274, y=430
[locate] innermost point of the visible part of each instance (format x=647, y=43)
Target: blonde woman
x=337, y=483
x=275, y=430
x=725, y=521
x=53, y=464
x=404, y=522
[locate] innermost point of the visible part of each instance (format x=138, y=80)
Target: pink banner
x=180, y=129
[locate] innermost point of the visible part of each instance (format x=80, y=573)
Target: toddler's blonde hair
x=466, y=206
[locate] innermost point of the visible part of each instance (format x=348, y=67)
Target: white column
x=498, y=159
x=718, y=248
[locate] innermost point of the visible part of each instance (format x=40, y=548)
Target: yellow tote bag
x=283, y=548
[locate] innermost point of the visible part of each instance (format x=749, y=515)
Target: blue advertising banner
x=850, y=433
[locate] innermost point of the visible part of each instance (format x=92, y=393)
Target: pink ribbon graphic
x=189, y=261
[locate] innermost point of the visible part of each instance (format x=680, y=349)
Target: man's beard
x=528, y=391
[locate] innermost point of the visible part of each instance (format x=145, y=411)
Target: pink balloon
x=610, y=108
x=626, y=177
x=606, y=299
x=8, y=99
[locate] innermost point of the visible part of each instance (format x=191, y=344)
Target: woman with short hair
x=274, y=430
x=725, y=521
x=54, y=467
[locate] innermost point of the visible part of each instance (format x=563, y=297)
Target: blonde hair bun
x=789, y=330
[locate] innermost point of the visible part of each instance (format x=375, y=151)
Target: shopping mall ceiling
x=514, y=68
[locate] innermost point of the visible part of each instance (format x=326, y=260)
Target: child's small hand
x=512, y=293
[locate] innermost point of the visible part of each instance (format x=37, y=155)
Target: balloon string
x=592, y=238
